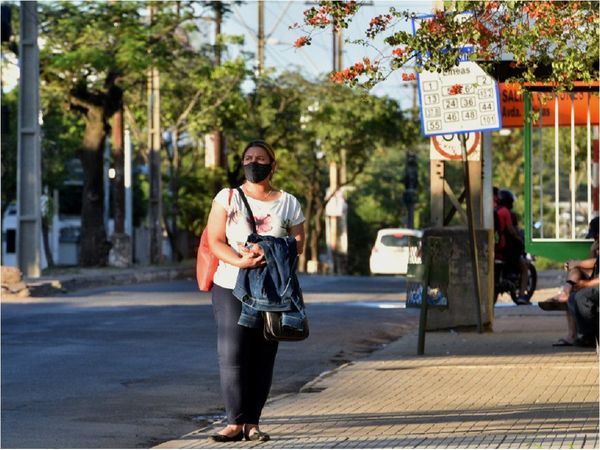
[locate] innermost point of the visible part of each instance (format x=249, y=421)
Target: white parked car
x=391, y=252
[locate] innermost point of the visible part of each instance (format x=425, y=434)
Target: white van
x=390, y=254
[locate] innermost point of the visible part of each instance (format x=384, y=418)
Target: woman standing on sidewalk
x=246, y=358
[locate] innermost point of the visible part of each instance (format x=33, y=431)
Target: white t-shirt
x=273, y=218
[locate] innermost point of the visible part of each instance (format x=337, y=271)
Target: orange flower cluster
x=352, y=73
x=538, y=9
x=398, y=52
x=455, y=89
x=302, y=41
x=436, y=26
x=317, y=18
x=330, y=12
x=408, y=76
x=379, y=24
x=347, y=8
x=324, y=9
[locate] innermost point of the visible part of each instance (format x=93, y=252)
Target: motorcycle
x=507, y=279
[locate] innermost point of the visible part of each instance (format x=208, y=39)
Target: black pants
x=246, y=360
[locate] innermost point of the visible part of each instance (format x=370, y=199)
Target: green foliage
x=377, y=201
x=61, y=136
x=195, y=198
x=9, y=149
x=542, y=263
x=88, y=43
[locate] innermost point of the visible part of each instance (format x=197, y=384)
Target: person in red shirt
x=509, y=246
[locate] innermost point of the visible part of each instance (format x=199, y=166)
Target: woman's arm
x=297, y=232
x=586, y=264
x=217, y=240
x=581, y=284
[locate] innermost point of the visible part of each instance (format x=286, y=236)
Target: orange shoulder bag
x=206, y=261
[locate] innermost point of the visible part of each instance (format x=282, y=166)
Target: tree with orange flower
x=553, y=42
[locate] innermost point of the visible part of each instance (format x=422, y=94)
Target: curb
x=62, y=284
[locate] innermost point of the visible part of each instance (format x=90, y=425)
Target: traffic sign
x=448, y=147
x=462, y=100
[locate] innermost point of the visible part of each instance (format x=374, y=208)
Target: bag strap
x=245, y=200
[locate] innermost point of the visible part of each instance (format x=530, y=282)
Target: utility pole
x=436, y=171
x=213, y=142
x=337, y=220
x=155, y=206
x=334, y=50
x=127, y=185
x=218, y=7
x=29, y=171
x=411, y=184
x=260, y=66
x=339, y=49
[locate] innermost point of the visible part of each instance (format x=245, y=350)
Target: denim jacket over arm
x=273, y=287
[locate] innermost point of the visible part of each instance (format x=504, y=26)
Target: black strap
x=245, y=200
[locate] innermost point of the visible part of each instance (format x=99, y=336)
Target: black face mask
x=256, y=172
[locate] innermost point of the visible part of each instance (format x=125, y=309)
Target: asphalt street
x=134, y=366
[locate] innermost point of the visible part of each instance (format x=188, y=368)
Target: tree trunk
x=217, y=156
x=94, y=247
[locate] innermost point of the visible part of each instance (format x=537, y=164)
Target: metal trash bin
x=415, y=280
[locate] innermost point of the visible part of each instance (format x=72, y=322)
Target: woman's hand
x=251, y=256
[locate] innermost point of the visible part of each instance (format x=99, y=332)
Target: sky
x=316, y=60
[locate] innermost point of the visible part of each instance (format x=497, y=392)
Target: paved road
x=134, y=366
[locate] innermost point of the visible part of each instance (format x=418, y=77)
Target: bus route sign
x=465, y=99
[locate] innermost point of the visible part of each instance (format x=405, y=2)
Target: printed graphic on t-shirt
x=233, y=216
x=263, y=223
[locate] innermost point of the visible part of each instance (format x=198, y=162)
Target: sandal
x=562, y=343
x=552, y=305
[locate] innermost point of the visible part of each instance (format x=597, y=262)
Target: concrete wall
x=456, y=252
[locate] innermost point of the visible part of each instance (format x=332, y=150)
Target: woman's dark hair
x=262, y=144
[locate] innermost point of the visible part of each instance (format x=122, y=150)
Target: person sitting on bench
x=581, y=290
x=580, y=273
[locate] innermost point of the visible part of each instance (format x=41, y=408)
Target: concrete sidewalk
x=506, y=389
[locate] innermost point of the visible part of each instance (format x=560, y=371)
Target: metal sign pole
x=473, y=237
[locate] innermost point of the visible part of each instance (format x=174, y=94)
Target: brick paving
x=506, y=389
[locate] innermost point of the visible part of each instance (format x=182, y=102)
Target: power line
x=284, y=13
